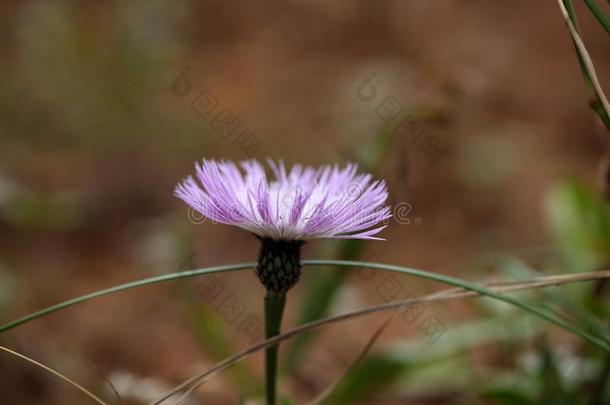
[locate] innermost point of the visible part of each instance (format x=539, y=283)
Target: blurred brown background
x=94, y=136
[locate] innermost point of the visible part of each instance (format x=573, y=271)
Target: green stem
x=122, y=287
x=274, y=308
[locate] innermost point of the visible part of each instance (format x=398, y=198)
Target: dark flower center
x=279, y=263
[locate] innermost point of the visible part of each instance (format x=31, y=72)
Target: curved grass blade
x=126, y=286
x=450, y=294
x=57, y=374
x=557, y=297
x=603, y=342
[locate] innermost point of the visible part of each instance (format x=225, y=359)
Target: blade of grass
x=599, y=14
x=367, y=348
x=451, y=294
x=541, y=281
x=215, y=338
x=339, y=263
x=122, y=287
x=57, y=374
x=604, y=343
x=414, y=365
x=107, y=381
x=597, y=99
x=581, y=64
x=210, y=328
x=557, y=297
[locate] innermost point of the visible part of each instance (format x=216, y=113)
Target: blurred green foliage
x=580, y=222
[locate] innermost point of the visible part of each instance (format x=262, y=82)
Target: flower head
x=300, y=204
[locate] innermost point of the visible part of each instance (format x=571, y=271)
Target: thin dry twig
x=57, y=374
x=367, y=348
x=107, y=381
x=450, y=294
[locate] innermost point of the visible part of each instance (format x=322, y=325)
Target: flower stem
x=274, y=308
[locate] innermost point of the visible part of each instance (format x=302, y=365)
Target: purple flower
x=300, y=204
